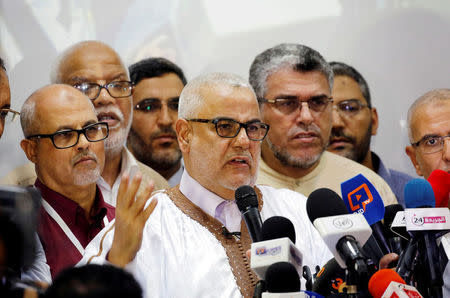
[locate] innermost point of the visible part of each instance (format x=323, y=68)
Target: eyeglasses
x=229, y=128
x=431, y=144
x=8, y=115
x=116, y=89
x=69, y=137
x=349, y=108
x=152, y=105
x=316, y=104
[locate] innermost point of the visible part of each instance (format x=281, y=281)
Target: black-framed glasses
x=67, y=138
x=316, y=104
x=116, y=89
x=229, y=128
x=8, y=115
x=349, y=107
x=431, y=144
x=152, y=105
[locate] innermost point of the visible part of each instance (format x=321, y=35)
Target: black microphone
x=395, y=242
x=282, y=277
x=330, y=279
x=247, y=202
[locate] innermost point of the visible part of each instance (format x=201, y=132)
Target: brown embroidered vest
x=235, y=248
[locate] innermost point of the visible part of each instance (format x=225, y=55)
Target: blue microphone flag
x=360, y=196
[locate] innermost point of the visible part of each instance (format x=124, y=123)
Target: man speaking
x=195, y=241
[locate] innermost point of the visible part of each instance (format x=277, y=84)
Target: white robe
x=181, y=258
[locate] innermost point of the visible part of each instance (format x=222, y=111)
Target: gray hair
x=298, y=57
x=431, y=97
x=55, y=75
x=342, y=69
x=27, y=114
x=191, y=97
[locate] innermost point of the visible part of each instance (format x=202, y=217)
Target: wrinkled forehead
x=431, y=119
x=93, y=63
x=232, y=101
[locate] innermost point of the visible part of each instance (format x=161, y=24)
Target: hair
x=27, y=115
x=191, y=97
x=94, y=281
x=342, y=69
x=154, y=67
x=2, y=64
x=61, y=58
x=295, y=56
x=431, y=97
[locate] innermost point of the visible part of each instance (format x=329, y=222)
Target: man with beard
x=354, y=122
x=6, y=113
x=194, y=244
x=64, y=141
x=293, y=84
x=97, y=70
x=152, y=138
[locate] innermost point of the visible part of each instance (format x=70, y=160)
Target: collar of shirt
x=176, y=178
x=128, y=163
x=209, y=202
x=70, y=210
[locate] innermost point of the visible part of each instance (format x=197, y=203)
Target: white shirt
x=129, y=164
x=180, y=258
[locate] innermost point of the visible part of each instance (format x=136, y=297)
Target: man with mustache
x=355, y=121
x=64, y=141
x=194, y=245
x=152, y=138
x=293, y=84
x=6, y=113
x=97, y=70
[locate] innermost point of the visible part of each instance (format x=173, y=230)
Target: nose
x=83, y=142
x=305, y=115
x=165, y=118
x=103, y=98
x=446, y=149
x=242, y=140
x=336, y=118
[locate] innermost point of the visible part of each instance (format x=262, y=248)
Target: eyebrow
x=285, y=96
x=228, y=118
x=81, y=79
x=6, y=106
x=68, y=127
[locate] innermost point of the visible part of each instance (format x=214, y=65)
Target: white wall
x=401, y=46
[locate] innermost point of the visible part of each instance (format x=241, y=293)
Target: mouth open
x=109, y=118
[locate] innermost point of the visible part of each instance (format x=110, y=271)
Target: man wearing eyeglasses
x=355, y=121
x=195, y=242
x=6, y=113
x=64, y=141
x=152, y=139
x=429, y=132
x=293, y=84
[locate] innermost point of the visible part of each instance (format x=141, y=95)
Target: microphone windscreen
x=329, y=279
x=277, y=227
x=389, y=215
x=379, y=282
x=324, y=202
x=282, y=277
x=440, y=182
x=419, y=193
x=245, y=197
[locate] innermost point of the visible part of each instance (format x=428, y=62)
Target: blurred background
x=401, y=47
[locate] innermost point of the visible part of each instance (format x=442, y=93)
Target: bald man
x=65, y=142
x=97, y=70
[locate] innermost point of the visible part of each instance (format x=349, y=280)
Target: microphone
x=440, y=182
x=330, y=279
x=360, y=196
x=386, y=283
x=283, y=281
x=343, y=233
x=247, y=202
x=396, y=243
x=277, y=245
x=423, y=221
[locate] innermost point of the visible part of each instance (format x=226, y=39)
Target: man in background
x=355, y=121
x=293, y=84
x=152, y=139
x=6, y=113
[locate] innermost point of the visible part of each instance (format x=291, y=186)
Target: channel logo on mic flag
x=360, y=196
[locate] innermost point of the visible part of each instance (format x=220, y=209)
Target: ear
x=30, y=149
x=374, y=115
x=184, y=134
x=411, y=152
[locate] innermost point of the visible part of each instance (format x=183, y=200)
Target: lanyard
x=53, y=214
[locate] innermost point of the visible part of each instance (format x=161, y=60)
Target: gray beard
x=288, y=160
